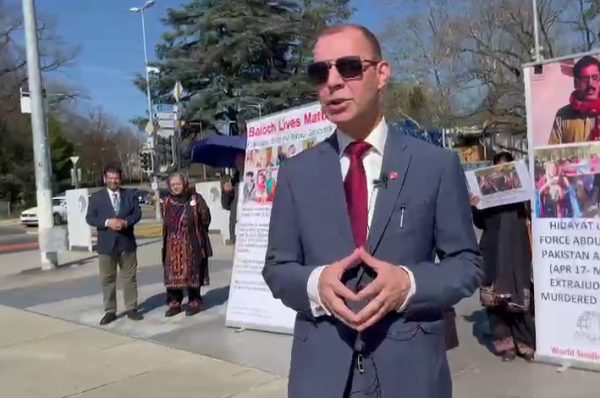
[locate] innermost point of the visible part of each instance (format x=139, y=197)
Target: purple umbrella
x=218, y=150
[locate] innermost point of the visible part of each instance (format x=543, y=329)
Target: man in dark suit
x=355, y=227
x=114, y=211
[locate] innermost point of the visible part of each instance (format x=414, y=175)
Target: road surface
x=17, y=238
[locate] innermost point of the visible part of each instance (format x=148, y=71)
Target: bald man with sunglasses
x=356, y=223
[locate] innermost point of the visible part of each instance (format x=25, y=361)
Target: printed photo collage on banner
x=563, y=107
x=262, y=165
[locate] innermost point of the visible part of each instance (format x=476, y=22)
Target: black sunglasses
x=350, y=67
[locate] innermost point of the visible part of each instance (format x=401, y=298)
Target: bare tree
x=128, y=146
x=100, y=140
x=55, y=54
x=417, y=47
x=469, y=54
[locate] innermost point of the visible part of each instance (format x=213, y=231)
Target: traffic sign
x=149, y=144
x=166, y=133
x=74, y=159
x=177, y=91
x=150, y=128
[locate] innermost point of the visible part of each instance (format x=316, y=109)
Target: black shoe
x=173, y=310
x=509, y=356
x=528, y=356
x=193, y=308
x=134, y=315
x=108, y=318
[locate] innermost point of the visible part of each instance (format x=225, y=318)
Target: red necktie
x=355, y=186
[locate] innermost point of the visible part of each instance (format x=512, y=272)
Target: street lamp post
x=141, y=10
x=536, y=33
x=41, y=146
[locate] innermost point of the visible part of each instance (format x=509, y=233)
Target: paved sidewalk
x=41, y=357
x=52, y=337
x=22, y=269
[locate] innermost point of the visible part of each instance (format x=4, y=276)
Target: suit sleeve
x=285, y=272
x=136, y=214
x=441, y=285
x=92, y=217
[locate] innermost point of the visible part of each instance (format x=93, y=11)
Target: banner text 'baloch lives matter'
x=271, y=141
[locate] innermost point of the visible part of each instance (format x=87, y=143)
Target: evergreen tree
x=232, y=55
x=17, y=183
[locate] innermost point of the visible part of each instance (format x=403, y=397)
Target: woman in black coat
x=507, y=287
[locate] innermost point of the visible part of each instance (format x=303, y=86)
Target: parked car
x=29, y=217
x=143, y=196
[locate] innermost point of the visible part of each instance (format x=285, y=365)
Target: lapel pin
x=393, y=175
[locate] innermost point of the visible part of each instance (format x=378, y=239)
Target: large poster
x=563, y=105
x=271, y=140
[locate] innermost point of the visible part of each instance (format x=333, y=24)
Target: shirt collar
x=376, y=138
x=111, y=192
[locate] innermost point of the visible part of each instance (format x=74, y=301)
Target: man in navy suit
x=355, y=227
x=114, y=211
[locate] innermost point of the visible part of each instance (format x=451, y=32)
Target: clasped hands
x=386, y=293
x=116, y=224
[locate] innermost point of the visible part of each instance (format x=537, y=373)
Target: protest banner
x=271, y=140
x=500, y=184
x=562, y=122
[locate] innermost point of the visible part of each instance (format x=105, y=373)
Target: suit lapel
x=108, y=201
x=396, y=159
x=332, y=190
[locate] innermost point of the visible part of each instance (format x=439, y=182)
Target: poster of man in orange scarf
x=563, y=110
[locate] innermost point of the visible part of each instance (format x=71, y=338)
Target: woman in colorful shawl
x=186, y=245
x=507, y=287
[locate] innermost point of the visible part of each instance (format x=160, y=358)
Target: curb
x=149, y=230
x=18, y=247
x=5, y=223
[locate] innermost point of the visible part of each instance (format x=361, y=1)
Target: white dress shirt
x=372, y=161
x=113, y=195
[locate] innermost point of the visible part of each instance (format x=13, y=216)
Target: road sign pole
x=74, y=174
x=177, y=138
x=177, y=94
